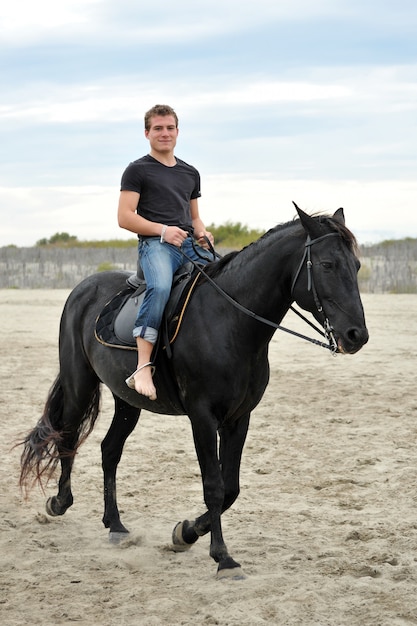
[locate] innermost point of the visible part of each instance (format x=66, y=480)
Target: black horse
x=218, y=370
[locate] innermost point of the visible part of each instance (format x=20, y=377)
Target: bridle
x=327, y=331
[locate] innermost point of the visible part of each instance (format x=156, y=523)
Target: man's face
x=163, y=133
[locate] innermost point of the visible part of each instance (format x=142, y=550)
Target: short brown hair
x=159, y=109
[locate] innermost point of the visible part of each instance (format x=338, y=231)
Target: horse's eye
x=327, y=265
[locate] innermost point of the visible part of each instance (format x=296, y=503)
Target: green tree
x=58, y=239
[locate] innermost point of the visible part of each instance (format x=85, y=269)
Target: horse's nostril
x=353, y=335
x=357, y=336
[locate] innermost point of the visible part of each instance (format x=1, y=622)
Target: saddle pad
x=125, y=318
x=105, y=323
x=114, y=325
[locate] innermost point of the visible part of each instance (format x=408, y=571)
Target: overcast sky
x=278, y=100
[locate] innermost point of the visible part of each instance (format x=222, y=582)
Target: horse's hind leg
x=57, y=505
x=124, y=421
x=79, y=399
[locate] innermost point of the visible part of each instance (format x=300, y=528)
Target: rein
x=328, y=330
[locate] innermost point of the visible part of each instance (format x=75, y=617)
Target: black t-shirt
x=165, y=192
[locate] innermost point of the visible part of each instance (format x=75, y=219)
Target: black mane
x=213, y=269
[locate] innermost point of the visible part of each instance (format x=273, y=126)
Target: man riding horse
x=159, y=202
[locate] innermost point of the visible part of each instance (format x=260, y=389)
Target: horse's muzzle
x=353, y=340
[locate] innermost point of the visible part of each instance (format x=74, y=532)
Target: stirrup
x=130, y=380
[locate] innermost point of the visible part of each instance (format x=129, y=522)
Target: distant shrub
x=234, y=234
x=64, y=240
x=59, y=239
x=229, y=235
x=105, y=267
x=364, y=273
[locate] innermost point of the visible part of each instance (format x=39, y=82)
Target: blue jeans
x=159, y=262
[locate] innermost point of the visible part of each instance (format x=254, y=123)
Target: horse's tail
x=43, y=446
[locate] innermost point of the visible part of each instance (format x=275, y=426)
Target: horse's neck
x=260, y=276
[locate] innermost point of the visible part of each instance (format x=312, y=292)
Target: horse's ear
x=339, y=216
x=311, y=226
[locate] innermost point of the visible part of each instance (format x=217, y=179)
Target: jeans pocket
x=142, y=245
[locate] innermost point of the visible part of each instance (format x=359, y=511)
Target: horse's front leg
x=124, y=421
x=221, y=487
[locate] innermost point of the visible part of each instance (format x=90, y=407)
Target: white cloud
x=25, y=22
x=374, y=210
x=350, y=90
x=32, y=213
x=104, y=102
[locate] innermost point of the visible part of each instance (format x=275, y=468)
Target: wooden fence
x=385, y=269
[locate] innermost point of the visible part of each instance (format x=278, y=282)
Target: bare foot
x=144, y=383
x=141, y=381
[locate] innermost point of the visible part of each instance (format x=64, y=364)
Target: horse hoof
x=178, y=543
x=117, y=537
x=228, y=568
x=49, y=507
x=236, y=573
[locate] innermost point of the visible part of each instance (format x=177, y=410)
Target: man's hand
x=200, y=238
x=175, y=235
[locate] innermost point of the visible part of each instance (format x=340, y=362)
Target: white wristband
x=163, y=231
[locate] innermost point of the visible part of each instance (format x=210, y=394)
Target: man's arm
x=199, y=229
x=130, y=220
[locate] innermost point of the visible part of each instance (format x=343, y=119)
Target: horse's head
x=325, y=281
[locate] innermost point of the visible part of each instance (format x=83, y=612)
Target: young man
x=159, y=202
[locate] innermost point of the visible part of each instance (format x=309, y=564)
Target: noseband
x=328, y=330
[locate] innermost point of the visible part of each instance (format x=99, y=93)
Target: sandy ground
x=325, y=527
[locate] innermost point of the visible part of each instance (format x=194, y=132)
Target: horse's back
x=83, y=306
x=99, y=285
